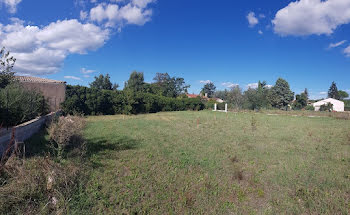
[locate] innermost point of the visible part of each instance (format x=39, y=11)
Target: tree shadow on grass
x=103, y=145
x=38, y=144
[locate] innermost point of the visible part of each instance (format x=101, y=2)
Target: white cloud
x=72, y=77
x=135, y=12
x=11, y=5
x=86, y=76
x=42, y=50
x=229, y=84
x=260, y=32
x=347, y=51
x=252, y=19
x=306, y=17
x=252, y=85
x=334, y=45
x=205, y=82
x=83, y=15
x=323, y=93
x=87, y=71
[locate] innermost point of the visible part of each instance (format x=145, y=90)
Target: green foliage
x=256, y=99
x=19, y=105
x=169, y=86
x=6, y=65
x=327, y=107
x=102, y=82
x=310, y=108
x=280, y=95
x=136, y=82
x=106, y=102
x=209, y=89
x=333, y=91
x=343, y=94
x=300, y=101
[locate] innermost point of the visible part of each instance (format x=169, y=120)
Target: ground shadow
x=38, y=144
x=103, y=145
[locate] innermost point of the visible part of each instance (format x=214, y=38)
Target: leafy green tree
x=102, y=82
x=170, y=86
x=333, y=91
x=209, y=89
x=300, y=101
x=235, y=97
x=343, y=95
x=7, y=63
x=280, y=95
x=136, y=82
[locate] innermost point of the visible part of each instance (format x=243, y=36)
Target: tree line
x=103, y=98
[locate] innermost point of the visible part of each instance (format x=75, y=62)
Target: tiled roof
x=36, y=79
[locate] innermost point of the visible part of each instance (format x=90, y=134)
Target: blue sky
x=226, y=42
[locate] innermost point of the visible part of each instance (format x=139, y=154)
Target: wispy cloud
x=72, y=77
x=205, y=82
x=252, y=19
x=252, y=86
x=334, y=45
x=323, y=93
x=87, y=71
x=229, y=84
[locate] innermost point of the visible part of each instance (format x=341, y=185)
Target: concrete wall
x=23, y=131
x=53, y=92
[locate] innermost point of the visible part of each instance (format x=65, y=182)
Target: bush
x=66, y=132
x=107, y=102
x=310, y=108
x=327, y=107
x=19, y=105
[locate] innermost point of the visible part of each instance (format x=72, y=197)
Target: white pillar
x=226, y=107
x=215, y=107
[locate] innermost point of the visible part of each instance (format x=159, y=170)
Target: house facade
x=53, y=91
x=338, y=106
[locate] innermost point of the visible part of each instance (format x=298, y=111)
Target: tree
x=170, y=86
x=343, y=95
x=102, y=82
x=306, y=92
x=333, y=91
x=209, y=89
x=280, y=95
x=136, y=82
x=7, y=63
x=235, y=97
x=300, y=101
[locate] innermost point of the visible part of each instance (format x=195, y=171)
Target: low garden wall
x=23, y=131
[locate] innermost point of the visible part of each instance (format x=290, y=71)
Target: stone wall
x=53, y=92
x=23, y=131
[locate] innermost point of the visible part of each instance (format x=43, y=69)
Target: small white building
x=337, y=105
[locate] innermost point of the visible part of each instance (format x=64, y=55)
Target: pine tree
x=333, y=91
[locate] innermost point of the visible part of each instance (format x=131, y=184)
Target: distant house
x=337, y=105
x=53, y=91
x=192, y=96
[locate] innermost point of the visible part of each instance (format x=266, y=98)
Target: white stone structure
x=216, y=108
x=337, y=105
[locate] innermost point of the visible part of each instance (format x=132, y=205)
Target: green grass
x=216, y=163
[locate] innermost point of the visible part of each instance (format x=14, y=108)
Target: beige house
x=53, y=91
x=337, y=105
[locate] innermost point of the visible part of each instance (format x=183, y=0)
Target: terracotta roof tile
x=36, y=79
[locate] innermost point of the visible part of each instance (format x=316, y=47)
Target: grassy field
x=216, y=163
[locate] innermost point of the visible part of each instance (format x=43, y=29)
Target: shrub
x=310, y=108
x=19, y=105
x=107, y=102
x=65, y=133
x=327, y=107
